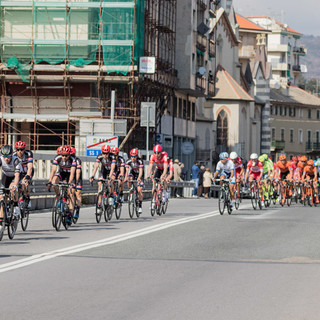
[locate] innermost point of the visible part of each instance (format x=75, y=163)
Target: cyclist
x=26, y=159
x=134, y=171
x=11, y=170
x=64, y=169
x=77, y=183
x=284, y=170
x=310, y=173
x=160, y=159
x=104, y=160
x=267, y=168
x=254, y=171
x=239, y=170
x=225, y=170
x=301, y=165
x=117, y=171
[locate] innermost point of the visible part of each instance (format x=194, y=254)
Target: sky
x=301, y=16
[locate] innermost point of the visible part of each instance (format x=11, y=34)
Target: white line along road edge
x=95, y=244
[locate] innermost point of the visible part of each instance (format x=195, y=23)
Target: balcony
x=277, y=47
x=212, y=48
x=281, y=66
x=301, y=51
x=211, y=91
x=200, y=83
x=201, y=42
x=312, y=146
x=277, y=145
x=296, y=68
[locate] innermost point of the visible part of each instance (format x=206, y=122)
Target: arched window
x=222, y=128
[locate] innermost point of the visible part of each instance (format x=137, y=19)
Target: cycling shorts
x=227, y=175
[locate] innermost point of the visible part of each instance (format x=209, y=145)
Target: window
x=318, y=114
x=309, y=113
x=301, y=113
x=271, y=110
x=309, y=136
x=276, y=110
x=175, y=107
x=317, y=137
x=292, y=112
x=282, y=134
x=184, y=115
x=291, y=135
x=193, y=111
x=180, y=108
x=222, y=128
x=273, y=133
x=300, y=137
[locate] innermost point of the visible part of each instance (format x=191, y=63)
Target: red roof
x=247, y=24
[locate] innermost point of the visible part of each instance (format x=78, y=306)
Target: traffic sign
x=94, y=144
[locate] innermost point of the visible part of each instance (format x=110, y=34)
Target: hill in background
x=312, y=59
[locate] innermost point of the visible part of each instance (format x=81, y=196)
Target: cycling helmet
x=294, y=159
x=157, y=148
x=72, y=150
x=253, y=156
x=282, y=157
x=7, y=151
x=134, y=152
x=65, y=150
x=262, y=158
x=303, y=158
x=59, y=150
x=115, y=150
x=265, y=156
x=105, y=148
x=20, y=144
x=233, y=155
x=310, y=163
x=223, y=155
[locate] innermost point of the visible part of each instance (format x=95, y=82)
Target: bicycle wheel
x=24, y=219
x=165, y=207
x=58, y=217
x=109, y=212
x=54, y=208
x=13, y=223
x=221, y=202
x=136, y=208
x=99, y=209
x=281, y=196
x=153, y=203
x=229, y=208
x=159, y=203
x=3, y=226
x=118, y=209
x=289, y=200
x=131, y=204
x=254, y=200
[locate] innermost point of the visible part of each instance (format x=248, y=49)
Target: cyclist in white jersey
x=225, y=170
x=11, y=169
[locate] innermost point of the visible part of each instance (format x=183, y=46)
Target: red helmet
x=105, y=148
x=157, y=148
x=72, y=150
x=59, y=150
x=65, y=150
x=294, y=159
x=134, y=152
x=115, y=150
x=20, y=144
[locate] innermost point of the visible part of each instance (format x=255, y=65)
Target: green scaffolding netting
x=53, y=32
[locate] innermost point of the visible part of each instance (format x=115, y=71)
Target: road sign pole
x=147, y=146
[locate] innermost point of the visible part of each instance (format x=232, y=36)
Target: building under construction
x=61, y=61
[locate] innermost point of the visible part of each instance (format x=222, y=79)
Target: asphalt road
x=191, y=263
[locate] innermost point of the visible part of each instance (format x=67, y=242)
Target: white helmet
x=233, y=155
x=253, y=156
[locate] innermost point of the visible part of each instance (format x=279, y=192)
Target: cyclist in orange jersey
x=284, y=170
x=310, y=173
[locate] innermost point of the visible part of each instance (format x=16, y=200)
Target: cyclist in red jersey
x=239, y=169
x=160, y=159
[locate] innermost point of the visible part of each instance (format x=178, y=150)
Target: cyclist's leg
x=55, y=180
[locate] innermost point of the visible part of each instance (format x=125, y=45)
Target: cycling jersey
x=9, y=169
x=105, y=162
x=268, y=165
x=254, y=168
x=284, y=167
x=238, y=165
x=65, y=165
x=27, y=158
x=159, y=162
x=120, y=163
x=134, y=167
x=310, y=171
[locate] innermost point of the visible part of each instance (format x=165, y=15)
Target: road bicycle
x=10, y=221
x=309, y=198
x=255, y=195
x=284, y=192
x=24, y=209
x=117, y=201
x=60, y=212
x=224, y=196
x=104, y=207
x=133, y=201
x=157, y=196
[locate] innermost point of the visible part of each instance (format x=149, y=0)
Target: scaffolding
x=60, y=60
